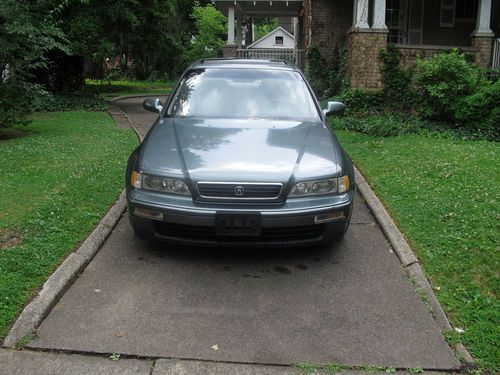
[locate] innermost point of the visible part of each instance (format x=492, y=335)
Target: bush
x=397, y=82
x=443, y=80
x=14, y=104
x=481, y=111
x=380, y=126
x=69, y=102
x=363, y=102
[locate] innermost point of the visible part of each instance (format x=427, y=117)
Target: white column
x=230, y=25
x=239, y=29
x=483, y=19
x=295, y=32
x=379, y=15
x=361, y=14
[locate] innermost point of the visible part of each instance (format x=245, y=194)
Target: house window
x=278, y=40
x=466, y=9
x=447, y=18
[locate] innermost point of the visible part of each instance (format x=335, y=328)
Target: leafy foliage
x=380, y=126
x=443, y=80
x=327, y=79
x=264, y=26
x=397, y=82
x=317, y=71
x=481, y=110
x=210, y=31
x=27, y=31
x=69, y=102
x=362, y=102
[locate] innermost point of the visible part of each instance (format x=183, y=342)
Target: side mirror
x=152, y=105
x=334, y=108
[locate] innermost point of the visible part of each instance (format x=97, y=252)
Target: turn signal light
x=150, y=214
x=331, y=216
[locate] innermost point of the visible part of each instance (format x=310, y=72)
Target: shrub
x=363, y=102
x=70, y=102
x=396, y=80
x=443, y=80
x=14, y=107
x=380, y=126
x=481, y=111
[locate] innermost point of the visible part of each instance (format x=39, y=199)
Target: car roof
x=243, y=64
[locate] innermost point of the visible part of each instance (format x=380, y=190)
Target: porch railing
x=291, y=55
x=495, y=64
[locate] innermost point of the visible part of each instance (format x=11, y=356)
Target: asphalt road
x=350, y=303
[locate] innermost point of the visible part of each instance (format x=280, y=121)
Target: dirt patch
x=9, y=237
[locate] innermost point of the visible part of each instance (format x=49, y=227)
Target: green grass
x=444, y=195
x=123, y=88
x=57, y=182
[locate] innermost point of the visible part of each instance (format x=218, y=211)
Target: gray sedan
x=240, y=154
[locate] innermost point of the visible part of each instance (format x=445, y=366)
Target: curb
x=132, y=124
x=117, y=98
x=53, y=289
x=408, y=260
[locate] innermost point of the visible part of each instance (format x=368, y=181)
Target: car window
x=243, y=93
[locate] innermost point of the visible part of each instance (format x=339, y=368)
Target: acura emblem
x=239, y=191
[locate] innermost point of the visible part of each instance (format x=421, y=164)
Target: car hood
x=236, y=150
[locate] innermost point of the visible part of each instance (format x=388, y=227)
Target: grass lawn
x=57, y=182
x=444, y=195
x=122, y=88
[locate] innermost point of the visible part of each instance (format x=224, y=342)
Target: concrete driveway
x=350, y=304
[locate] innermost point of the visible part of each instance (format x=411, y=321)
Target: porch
x=241, y=15
x=417, y=27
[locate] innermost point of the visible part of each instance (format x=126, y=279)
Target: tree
x=264, y=26
x=208, y=40
x=28, y=31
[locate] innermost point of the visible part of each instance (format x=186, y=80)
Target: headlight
x=158, y=183
x=320, y=187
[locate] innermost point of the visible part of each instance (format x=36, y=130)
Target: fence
x=293, y=56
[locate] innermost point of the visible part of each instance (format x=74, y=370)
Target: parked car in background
x=240, y=154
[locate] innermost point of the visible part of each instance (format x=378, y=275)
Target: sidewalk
x=22, y=362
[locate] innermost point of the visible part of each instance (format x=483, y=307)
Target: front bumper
x=193, y=223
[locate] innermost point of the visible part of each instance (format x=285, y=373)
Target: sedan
x=240, y=155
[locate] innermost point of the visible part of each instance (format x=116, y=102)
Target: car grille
x=268, y=235
x=217, y=190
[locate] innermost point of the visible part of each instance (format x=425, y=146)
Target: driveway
x=350, y=303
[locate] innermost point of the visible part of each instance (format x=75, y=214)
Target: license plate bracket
x=238, y=224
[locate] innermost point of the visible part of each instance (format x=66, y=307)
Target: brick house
x=363, y=27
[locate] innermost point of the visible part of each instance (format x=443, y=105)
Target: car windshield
x=243, y=93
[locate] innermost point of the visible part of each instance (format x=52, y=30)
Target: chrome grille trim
x=225, y=190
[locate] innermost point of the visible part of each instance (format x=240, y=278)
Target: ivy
x=327, y=80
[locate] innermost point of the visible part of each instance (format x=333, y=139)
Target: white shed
x=278, y=38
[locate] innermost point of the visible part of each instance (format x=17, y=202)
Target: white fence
x=291, y=55
x=495, y=64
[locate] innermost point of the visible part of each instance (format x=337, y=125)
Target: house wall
x=460, y=34
x=434, y=34
x=326, y=23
